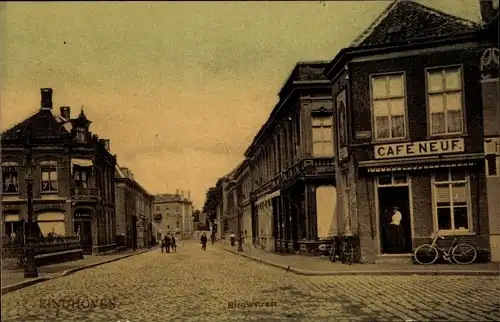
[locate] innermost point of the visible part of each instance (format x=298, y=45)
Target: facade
x=491, y=118
x=173, y=213
x=134, y=207
x=409, y=132
x=293, y=195
x=73, y=189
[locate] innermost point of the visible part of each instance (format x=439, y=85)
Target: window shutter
x=459, y=193
x=442, y=194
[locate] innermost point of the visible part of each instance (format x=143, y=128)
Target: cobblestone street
x=192, y=285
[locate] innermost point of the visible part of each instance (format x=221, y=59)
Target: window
x=444, y=90
x=388, y=103
x=81, y=177
x=157, y=208
x=51, y=223
x=322, y=135
x=451, y=200
x=80, y=135
x=49, y=179
x=392, y=179
x=178, y=209
x=10, y=176
x=178, y=223
x=168, y=226
x=492, y=152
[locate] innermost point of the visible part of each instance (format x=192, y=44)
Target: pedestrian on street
x=167, y=243
x=232, y=237
x=162, y=245
x=174, y=245
x=203, y=240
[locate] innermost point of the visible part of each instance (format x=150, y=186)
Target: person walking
x=162, y=245
x=203, y=240
x=167, y=243
x=232, y=238
x=174, y=245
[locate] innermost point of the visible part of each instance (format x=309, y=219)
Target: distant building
x=134, y=207
x=73, y=186
x=173, y=213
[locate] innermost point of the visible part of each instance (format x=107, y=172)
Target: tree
x=213, y=197
x=196, y=215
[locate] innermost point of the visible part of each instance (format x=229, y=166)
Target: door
x=395, y=233
x=83, y=227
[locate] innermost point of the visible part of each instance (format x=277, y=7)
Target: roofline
x=345, y=54
x=279, y=106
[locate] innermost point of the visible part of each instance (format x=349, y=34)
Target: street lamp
x=30, y=269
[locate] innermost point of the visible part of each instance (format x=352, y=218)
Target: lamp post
x=30, y=269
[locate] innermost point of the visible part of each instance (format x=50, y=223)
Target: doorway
x=394, y=197
x=83, y=227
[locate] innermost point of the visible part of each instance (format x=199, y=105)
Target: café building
x=409, y=134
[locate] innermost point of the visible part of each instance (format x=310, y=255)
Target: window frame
x=322, y=127
x=453, y=231
x=405, y=108
x=427, y=106
x=49, y=168
x=494, y=151
x=7, y=165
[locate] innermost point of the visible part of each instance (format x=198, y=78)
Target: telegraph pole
x=30, y=269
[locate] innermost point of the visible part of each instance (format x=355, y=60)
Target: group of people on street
x=168, y=243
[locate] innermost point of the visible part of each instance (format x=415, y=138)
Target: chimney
x=46, y=103
x=189, y=195
x=65, y=112
x=487, y=10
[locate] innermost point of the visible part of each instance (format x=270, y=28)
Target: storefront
x=413, y=197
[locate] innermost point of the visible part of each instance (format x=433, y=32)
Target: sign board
x=363, y=135
x=82, y=215
x=411, y=149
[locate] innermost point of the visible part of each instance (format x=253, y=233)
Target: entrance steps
x=394, y=259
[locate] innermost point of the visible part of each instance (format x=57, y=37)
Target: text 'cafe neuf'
x=419, y=148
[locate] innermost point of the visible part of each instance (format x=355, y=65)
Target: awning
x=82, y=162
x=267, y=197
x=408, y=164
x=12, y=218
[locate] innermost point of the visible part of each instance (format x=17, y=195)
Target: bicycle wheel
x=426, y=254
x=464, y=253
x=350, y=257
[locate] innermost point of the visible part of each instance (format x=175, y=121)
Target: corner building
x=409, y=132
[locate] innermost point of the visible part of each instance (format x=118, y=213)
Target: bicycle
x=334, y=253
x=456, y=251
x=348, y=250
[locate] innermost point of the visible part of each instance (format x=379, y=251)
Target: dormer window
x=80, y=135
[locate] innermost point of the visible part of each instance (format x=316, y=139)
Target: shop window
x=389, y=106
x=451, y=200
x=444, y=100
x=10, y=175
x=49, y=179
x=51, y=223
x=322, y=135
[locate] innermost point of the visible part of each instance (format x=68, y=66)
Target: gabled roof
x=405, y=21
x=43, y=124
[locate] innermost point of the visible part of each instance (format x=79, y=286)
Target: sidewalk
x=314, y=266
x=13, y=279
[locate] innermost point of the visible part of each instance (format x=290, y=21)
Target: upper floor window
x=81, y=177
x=444, y=91
x=80, y=135
x=10, y=175
x=388, y=103
x=178, y=209
x=451, y=200
x=49, y=179
x=322, y=135
x=157, y=208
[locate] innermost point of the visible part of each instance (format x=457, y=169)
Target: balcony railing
x=86, y=193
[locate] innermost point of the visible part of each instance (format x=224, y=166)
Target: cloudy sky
x=180, y=88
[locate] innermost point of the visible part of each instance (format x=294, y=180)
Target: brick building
x=291, y=163
x=73, y=189
x=409, y=132
x=134, y=207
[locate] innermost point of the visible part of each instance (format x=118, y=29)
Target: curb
x=18, y=286
x=298, y=271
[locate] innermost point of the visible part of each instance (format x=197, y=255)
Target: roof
x=43, y=124
x=168, y=197
x=407, y=21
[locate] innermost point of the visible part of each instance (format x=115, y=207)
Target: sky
x=179, y=88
